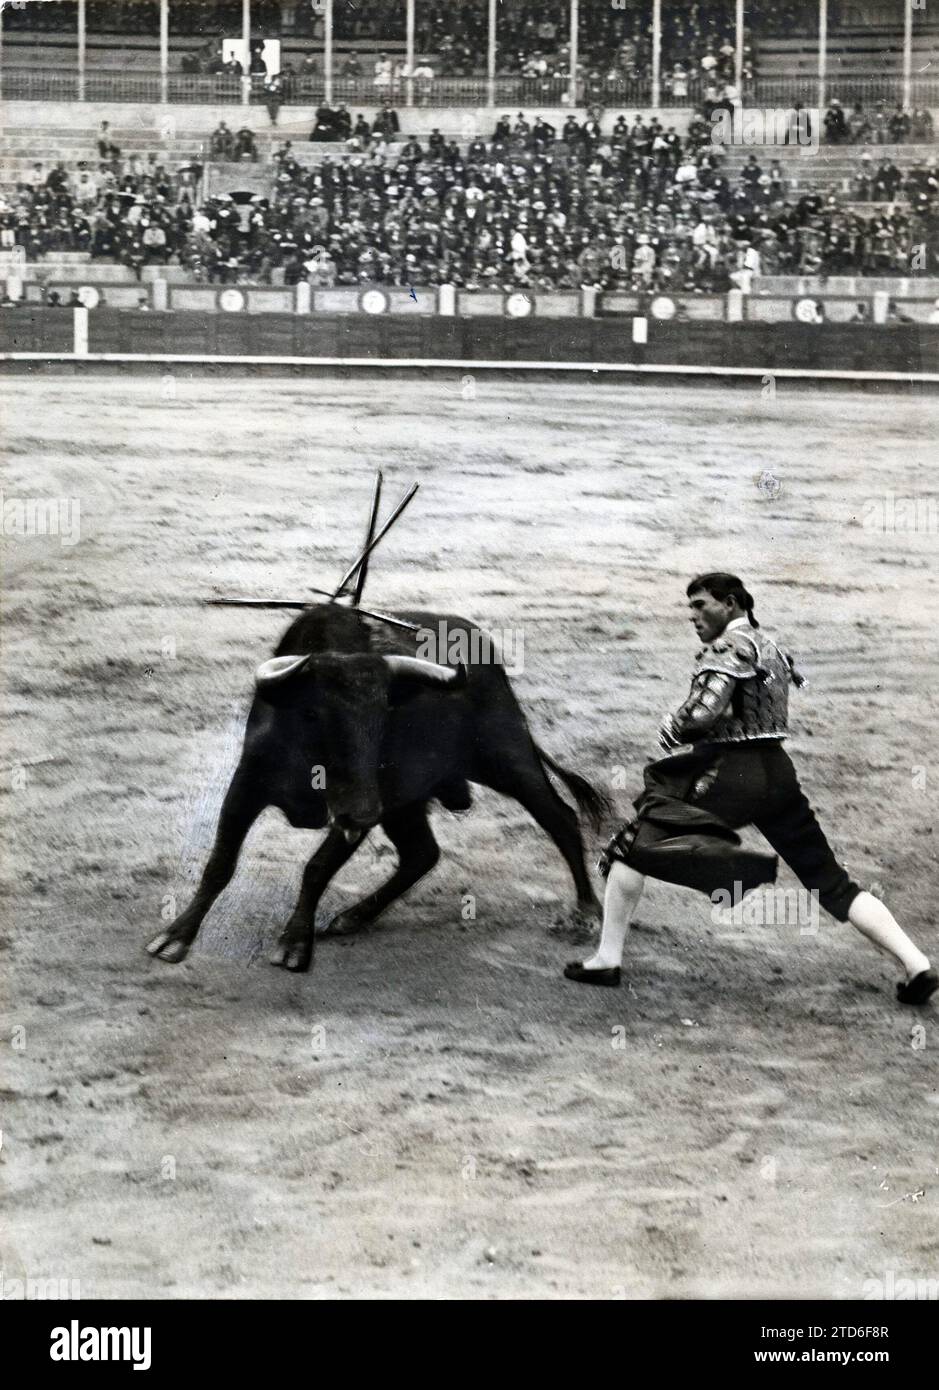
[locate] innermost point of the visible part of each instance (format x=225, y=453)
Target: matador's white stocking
x=878, y=924
x=623, y=891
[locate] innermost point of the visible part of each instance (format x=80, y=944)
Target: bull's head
x=344, y=700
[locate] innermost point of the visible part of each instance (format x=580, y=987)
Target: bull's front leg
x=240, y=810
x=294, y=949
x=418, y=852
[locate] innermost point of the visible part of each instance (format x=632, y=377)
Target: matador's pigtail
x=746, y=600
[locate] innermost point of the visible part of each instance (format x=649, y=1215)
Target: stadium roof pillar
x=738, y=52
x=328, y=52
x=575, y=56
x=409, y=54
x=822, y=51
x=491, y=52
x=246, y=44
x=656, y=54
x=164, y=49
x=81, y=50
x=908, y=55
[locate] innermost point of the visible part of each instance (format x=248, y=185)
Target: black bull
x=354, y=737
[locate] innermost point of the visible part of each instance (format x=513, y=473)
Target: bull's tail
x=593, y=803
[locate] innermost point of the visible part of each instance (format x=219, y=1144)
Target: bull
x=345, y=693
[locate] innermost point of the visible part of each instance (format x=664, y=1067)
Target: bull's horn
x=430, y=671
x=279, y=668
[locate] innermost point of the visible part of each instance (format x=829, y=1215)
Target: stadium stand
x=562, y=200
x=641, y=207
x=533, y=56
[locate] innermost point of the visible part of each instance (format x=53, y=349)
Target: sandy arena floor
x=434, y=1111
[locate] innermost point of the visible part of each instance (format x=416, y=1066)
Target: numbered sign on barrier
x=232, y=301
x=809, y=311
x=373, y=302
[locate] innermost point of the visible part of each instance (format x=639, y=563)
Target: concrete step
x=25, y=144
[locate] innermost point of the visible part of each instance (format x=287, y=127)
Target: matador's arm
x=711, y=693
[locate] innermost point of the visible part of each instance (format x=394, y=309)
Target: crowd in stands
x=215, y=17
x=879, y=126
x=231, y=146
x=615, y=41
x=530, y=207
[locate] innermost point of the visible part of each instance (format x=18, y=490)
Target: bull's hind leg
x=240, y=810
x=520, y=774
x=418, y=852
x=294, y=949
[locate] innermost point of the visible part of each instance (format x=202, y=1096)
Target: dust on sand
x=434, y=1111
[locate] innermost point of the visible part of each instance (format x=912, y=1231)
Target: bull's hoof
x=166, y=946
x=348, y=922
x=292, y=955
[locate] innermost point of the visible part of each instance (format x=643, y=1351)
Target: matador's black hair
x=724, y=586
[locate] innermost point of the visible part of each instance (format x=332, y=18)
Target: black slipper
x=575, y=970
x=920, y=989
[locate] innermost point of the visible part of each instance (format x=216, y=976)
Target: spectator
x=245, y=147
x=257, y=67
x=386, y=122
x=678, y=83
x=154, y=242
x=864, y=179
x=921, y=126
x=273, y=97
x=899, y=126
x=887, y=179
x=383, y=73
x=324, y=127
x=85, y=191
x=859, y=127
x=423, y=82
x=222, y=143
x=836, y=125
x=107, y=150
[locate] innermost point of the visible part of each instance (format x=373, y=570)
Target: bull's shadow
x=348, y=730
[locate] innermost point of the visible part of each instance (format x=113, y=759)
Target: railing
x=130, y=85
x=867, y=90
x=143, y=85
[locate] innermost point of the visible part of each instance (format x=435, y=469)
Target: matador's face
x=710, y=615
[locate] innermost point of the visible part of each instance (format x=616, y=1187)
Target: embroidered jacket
x=739, y=691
